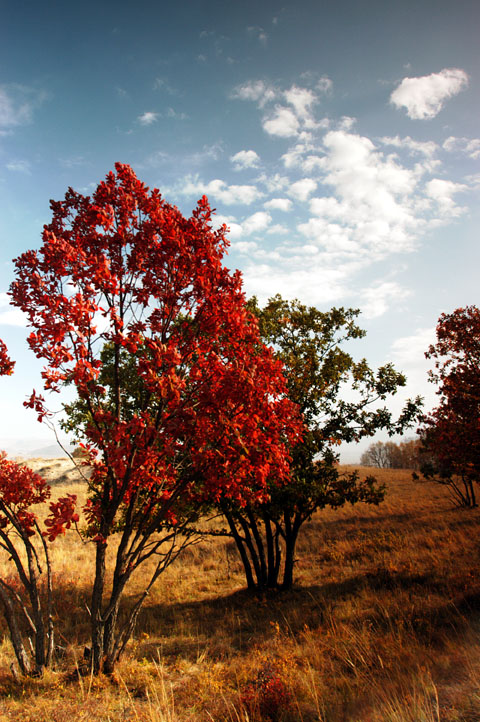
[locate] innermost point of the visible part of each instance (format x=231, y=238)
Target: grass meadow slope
x=383, y=625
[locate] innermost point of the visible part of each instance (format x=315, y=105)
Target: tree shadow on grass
x=239, y=622
x=333, y=529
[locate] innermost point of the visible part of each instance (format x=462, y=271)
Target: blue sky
x=339, y=142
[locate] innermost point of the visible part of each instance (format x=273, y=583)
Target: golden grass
x=382, y=626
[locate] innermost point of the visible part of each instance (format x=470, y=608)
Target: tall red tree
x=189, y=407
x=451, y=433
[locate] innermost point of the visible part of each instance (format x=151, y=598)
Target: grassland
x=382, y=626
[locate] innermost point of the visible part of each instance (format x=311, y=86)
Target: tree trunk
x=97, y=621
x=247, y=567
x=252, y=551
x=273, y=554
x=262, y=578
x=291, y=536
x=472, y=493
x=15, y=634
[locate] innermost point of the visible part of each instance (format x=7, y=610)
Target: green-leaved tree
x=342, y=400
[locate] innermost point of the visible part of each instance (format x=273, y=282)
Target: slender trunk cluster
x=266, y=547
x=29, y=612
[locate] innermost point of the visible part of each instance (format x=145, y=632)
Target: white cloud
x=11, y=115
x=11, y=316
x=294, y=157
x=17, y=103
x=257, y=222
x=228, y=194
x=469, y=146
x=425, y=96
x=245, y=159
x=279, y=204
x=147, y=118
x=283, y=123
x=372, y=201
x=314, y=285
x=427, y=148
x=371, y=212
x=274, y=183
x=346, y=122
x=408, y=350
x=244, y=247
x=408, y=354
x=234, y=230
x=302, y=189
x=277, y=230
x=255, y=90
x=377, y=300
x=302, y=100
x=442, y=191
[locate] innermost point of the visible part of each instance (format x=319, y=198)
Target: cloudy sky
x=338, y=141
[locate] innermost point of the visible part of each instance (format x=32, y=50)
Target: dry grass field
x=383, y=625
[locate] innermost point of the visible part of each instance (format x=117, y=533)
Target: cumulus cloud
x=244, y=247
x=147, y=118
x=228, y=194
x=282, y=122
x=245, y=159
x=279, y=204
x=255, y=90
x=426, y=148
x=315, y=284
x=442, y=191
x=302, y=189
x=378, y=299
x=346, y=122
x=424, y=97
x=277, y=230
x=302, y=100
x=257, y=222
x=285, y=121
x=234, y=229
x=295, y=156
x=367, y=200
x=371, y=212
x=274, y=183
x=469, y=146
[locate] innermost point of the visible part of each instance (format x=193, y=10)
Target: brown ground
x=382, y=625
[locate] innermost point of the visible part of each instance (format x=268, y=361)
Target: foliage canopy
x=451, y=432
x=130, y=301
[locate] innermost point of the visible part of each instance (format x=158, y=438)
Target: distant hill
x=28, y=448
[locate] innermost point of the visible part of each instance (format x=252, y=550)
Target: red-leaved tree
x=6, y=365
x=130, y=302
x=27, y=595
x=451, y=433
